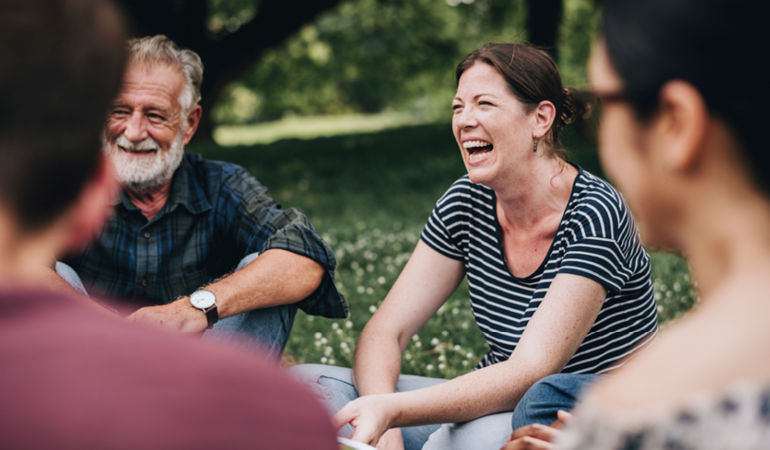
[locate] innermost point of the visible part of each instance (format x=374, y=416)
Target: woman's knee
x=311, y=373
x=485, y=433
x=549, y=395
x=332, y=384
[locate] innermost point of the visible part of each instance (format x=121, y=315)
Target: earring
x=534, y=149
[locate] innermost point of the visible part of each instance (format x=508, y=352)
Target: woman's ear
x=544, y=115
x=681, y=126
x=87, y=214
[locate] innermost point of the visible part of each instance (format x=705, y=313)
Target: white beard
x=140, y=175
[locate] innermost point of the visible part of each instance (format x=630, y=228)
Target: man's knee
x=72, y=278
x=246, y=260
x=311, y=373
x=332, y=385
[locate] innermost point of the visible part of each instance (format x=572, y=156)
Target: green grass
x=369, y=196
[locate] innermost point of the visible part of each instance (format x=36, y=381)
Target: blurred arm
x=53, y=282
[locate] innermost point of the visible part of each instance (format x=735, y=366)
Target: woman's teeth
x=473, y=144
x=477, y=149
x=476, y=156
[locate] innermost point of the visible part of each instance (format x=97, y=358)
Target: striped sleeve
x=450, y=213
x=603, y=242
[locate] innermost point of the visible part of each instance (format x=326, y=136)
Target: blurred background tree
x=266, y=59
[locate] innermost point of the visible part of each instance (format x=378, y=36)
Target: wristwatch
x=206, y=301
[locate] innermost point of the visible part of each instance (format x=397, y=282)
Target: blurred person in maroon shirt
x=71, y=375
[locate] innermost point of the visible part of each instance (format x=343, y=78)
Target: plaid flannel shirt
x=216, y=214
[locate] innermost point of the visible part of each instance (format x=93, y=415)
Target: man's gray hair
x=160, y=49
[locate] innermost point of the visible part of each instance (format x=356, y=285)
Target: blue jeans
x=549, y=395
x=335, y=389
x=263, y=332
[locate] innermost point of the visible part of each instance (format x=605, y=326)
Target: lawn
x=369, y=195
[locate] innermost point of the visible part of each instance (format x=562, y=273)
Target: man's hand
x=179, y=316
x=537, y=436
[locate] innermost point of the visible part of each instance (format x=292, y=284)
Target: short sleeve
x=599, y=259
x=603, y=242
x=448, y=223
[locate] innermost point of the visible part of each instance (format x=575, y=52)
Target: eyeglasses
x=605, y=98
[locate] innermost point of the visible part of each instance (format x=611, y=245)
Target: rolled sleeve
x=260, y=224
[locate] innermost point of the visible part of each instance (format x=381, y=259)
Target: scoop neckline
x=498, y=241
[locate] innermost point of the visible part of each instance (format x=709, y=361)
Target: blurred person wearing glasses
x=682, y=133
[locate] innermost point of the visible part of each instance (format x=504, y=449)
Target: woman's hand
x=537, y=436
x=391, y=440
x=371, y=416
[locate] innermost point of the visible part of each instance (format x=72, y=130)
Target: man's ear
x=191, y=123
x=87, y=214
x=545, y=113
x=682, y=126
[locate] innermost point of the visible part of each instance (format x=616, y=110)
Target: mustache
x=147, y=144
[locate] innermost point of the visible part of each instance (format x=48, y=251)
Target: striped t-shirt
x=597, y=238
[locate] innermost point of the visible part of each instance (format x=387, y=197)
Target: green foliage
x=371, y=56
x=226, y=16
x=674, y=292
x=368, y=56
x=576, y=35
x=369, y=195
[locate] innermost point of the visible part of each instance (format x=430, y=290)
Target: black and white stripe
x=597, y=238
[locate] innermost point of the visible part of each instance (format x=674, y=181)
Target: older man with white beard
x=182, y=224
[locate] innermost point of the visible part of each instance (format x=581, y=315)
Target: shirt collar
x=186, y=190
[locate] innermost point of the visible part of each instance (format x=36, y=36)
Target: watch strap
x=212, y=315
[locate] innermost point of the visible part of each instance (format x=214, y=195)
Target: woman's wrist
x=400, y=409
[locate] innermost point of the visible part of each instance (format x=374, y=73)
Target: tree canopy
x=267, y=58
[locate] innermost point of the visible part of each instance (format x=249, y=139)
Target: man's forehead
x=152, y=79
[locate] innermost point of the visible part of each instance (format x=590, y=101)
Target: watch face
x=203, y=299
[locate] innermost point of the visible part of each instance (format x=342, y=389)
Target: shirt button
x=144, y=282
x=147, y=234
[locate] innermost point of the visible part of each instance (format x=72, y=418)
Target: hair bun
x=574, y=107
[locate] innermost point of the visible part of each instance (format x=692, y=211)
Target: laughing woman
x=559, y=281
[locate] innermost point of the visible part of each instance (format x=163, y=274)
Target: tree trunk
x=543, y=23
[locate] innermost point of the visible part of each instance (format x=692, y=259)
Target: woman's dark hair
x=720, y=47
x=532, y=77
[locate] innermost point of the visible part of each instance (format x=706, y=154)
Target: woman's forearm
x=486, y=391
x=378, y=362
x=428, y=279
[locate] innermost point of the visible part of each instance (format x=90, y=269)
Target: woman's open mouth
x=477, y=149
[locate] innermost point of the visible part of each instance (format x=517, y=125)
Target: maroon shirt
x=73, y=378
